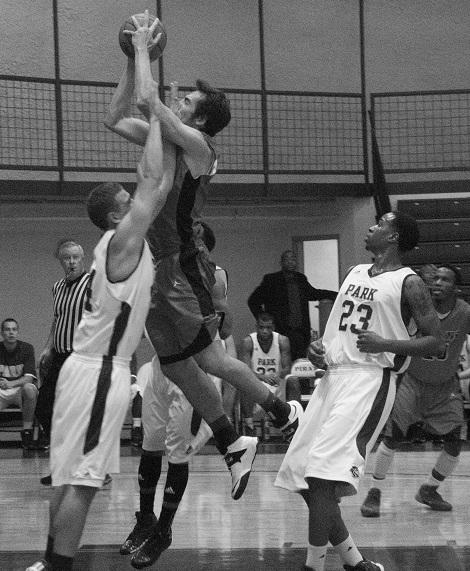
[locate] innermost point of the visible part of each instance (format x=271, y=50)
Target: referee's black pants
x=46, y=397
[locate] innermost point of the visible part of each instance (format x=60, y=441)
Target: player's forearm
x=20, y=381
x=120, y=105
x=145, y=83
x=417, y=347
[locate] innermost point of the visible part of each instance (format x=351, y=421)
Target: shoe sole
x=244, y=479
x=419, y=499
x=137, y=565
x=366, y=513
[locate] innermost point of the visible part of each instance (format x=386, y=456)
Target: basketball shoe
x=365, y=566
x=27, y=439
x=107, y=482
x=41, y=565
x=429, y=496
x=143, y=529
x=296, y=411
x=371, y=505
x=151, y=549
x=46, y=480
x=239, y=458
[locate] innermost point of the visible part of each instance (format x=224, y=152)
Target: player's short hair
x=67, y=243
x=208, y=236
x=101, y=201
x=454, y=270
x=6, y=321
x=264, y=316
x=214, y=107
x=407, y=228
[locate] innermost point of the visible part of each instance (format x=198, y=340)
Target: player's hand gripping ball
x=125, y=40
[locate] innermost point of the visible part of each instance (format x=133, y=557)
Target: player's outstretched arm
x=430, y=341
x=191, y=140
x=118, y=117
x=155, y=174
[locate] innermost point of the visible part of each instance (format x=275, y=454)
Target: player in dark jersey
x=429, y=392
x=182, y=322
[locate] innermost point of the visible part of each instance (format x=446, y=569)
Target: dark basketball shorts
x=182, y=320
x=438, y=407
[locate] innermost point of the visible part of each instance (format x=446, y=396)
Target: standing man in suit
x=285, y=295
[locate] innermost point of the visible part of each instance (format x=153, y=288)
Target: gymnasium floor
x=265, y=529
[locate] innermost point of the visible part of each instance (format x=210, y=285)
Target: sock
x=150, y=468
x=443, y=468
x=175, y=485
x=278, y=410
x=348, y=552
x=49, y=548
x=61, y=562
x=383, y=460
x=316, y=556
x=136, y=422
x=27, y=425
x=136, y=409
x=249, y=422
x=224, y=433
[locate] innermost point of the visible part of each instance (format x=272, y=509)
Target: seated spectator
x=285, y=295
x=267, y=353
x=18, y=378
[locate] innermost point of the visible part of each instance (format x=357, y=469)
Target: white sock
x=316, y=556
x=136, y=422
x=383, y=460
x=443, y=468
x=348, y=552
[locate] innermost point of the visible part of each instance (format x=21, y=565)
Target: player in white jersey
x=365, y=344
x=429, y=393
x=267, y=353
x=93, y=388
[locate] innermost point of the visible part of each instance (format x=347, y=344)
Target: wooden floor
x=266, y=529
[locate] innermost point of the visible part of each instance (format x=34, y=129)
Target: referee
x=69, y=296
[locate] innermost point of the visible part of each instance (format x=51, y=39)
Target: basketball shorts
x=182, y=320
x=342, y=421
x=438, y=407
x=10, y=397
x=170, y=423
x=92, y=398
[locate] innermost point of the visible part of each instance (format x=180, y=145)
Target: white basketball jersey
x=265, y=363
x=367, y=303
x=114, y=315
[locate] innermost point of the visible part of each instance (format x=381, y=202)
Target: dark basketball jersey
x=18, y=362
x=435, y=370
x=172, y=229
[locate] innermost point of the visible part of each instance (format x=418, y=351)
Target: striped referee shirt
x=69, y=300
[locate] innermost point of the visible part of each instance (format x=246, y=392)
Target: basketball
x=125, y=40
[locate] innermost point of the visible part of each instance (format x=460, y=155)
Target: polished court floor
x=265, y=529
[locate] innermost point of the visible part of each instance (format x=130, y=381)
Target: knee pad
x=396, y=437
x=453, y=442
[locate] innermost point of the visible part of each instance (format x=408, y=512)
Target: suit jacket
x=271, y=296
